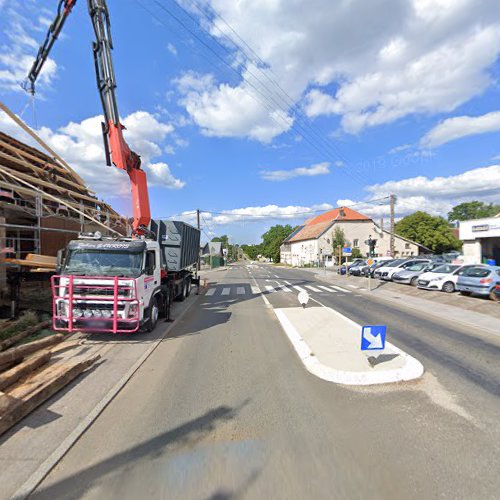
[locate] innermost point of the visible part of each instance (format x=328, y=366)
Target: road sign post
x=369, y=262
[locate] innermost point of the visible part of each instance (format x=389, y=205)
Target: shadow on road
x=186, y=434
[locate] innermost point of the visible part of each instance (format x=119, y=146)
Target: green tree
x=272, y=240
x=251, y=251
x=338, y=239
x=473, y=210
x=222, y=239
x=432, y=232
x=356, y=253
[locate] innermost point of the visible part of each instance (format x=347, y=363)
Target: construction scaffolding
x=43, y=202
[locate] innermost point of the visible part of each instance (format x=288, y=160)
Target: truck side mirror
x=61, y=257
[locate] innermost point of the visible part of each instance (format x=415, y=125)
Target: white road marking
x=353, y=286
x=284, y=288
x=327, y=289
x=240, y=290
x=287, y=282
x=210, y=291
x=226, y=291
x=270, y=288
x=298, y=288
x=313, y=289
x=255, y=290
x=340, y=289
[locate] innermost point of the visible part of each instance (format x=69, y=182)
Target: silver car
x=410, y=275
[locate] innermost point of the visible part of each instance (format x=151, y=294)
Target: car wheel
x=467, y=294
x=154, y=313
x=449, y=287
x=414, y=281
x=494, y=296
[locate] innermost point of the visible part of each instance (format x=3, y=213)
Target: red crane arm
x=116, y=148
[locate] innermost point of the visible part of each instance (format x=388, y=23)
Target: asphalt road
x=224, y=409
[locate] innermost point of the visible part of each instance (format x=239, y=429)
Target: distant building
x=481, y=240
x=312, y=241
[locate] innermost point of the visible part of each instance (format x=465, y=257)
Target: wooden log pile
x=29, y=375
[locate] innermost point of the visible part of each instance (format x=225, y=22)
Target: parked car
x=377, y=261
x=355, y=262
x=370, y=270
x=496, y=295
x=386, y=272
x=442, y=278
x=480, y=279
x=356, y=270
x=409, y=276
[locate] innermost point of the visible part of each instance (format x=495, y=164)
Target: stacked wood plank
x=29, y=375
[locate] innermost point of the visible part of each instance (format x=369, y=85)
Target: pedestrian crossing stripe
x=255, y=290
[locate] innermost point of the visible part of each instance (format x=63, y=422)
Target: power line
x=321, y=148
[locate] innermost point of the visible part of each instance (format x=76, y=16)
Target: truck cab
x=124, y=285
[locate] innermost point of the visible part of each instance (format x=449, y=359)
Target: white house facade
x=312, y=242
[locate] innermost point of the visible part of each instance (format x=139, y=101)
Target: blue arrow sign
x=373, y=337
x=346, y=250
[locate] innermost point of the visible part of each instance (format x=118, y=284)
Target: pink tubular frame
x=112, y=283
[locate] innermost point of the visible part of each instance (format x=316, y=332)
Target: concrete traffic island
x=328, y=344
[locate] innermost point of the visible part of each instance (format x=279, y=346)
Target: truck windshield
x=88, y=262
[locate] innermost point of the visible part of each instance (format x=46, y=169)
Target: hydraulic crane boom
x=116, y=149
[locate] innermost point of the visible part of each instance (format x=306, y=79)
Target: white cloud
x=172, y=49
x=81, y=145
x=457, y=127
x=19, y=49
x=260, y=214
x=436, y=196
x=283, y=175
x=353, y=60
x=225, y=111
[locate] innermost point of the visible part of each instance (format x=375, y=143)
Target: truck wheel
x=188, y=287
x=182, y=296
x=154, y=313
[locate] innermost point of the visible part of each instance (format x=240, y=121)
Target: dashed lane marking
x=210, y=292
x=226, y=291
x=312, y=288
x=270, y=288
x=327, y=289
x=240, y=290
x=340, y=289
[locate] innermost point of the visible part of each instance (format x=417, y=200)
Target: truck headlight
x=97, y=313
x=77, y=313
x=133, y=310
x=87, y=313
x=106, y=313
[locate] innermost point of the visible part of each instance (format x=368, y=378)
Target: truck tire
x=154, y=313
x=184, y=293
x=188, y=286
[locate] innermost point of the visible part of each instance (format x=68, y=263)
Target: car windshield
x=445, y=269
x=87, y=262
x=417, y=267
x=395, y=263
x=477, y=272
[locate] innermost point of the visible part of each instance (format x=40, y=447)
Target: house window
x=355, y=243
x=407, y=245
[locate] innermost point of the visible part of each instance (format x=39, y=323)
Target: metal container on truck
x=179, y=243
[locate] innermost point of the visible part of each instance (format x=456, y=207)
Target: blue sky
x=266, y=112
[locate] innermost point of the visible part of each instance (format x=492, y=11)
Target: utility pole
x=199, y=228
x=392, y=199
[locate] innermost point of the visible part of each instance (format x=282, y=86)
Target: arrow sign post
x=373, y=338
